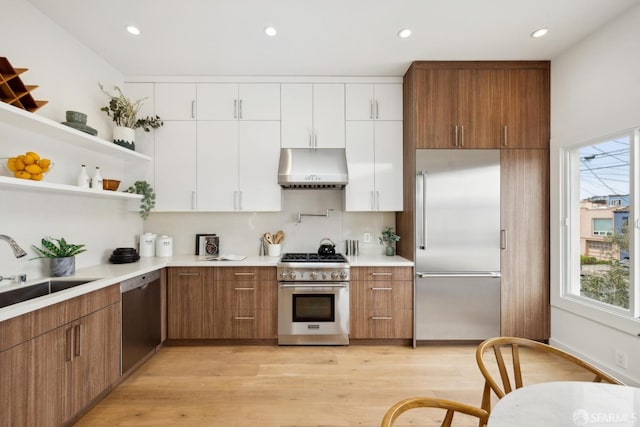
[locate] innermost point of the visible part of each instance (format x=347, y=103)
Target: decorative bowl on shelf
x=76, y=117
x=35, y=171
x=110, y=184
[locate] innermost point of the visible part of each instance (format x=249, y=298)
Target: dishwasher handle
x=454, y=274
x=139, y=281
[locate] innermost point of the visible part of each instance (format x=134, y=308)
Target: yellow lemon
x=19, y=164
x=44, y=163
x=33, y=169
x=29, y=159
x=34, y=155
x=23, y=175
x=11, y=164
x=36, y=177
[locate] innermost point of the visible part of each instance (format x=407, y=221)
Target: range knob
x=293, y=275
x=283, y=274
x=335, y=274
x=325, y=275
x=343, y=275
x=314, y=275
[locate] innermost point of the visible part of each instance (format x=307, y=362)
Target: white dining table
x=568, y=404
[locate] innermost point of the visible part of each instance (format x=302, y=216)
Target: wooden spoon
x=279, y=237
x=268, y=238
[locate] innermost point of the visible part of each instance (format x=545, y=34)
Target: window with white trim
x=600, y=242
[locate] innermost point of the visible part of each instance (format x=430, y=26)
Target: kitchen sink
x=36, y=290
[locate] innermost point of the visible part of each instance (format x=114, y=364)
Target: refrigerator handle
x=423, y=243
x=503, y=239
x=459, y=274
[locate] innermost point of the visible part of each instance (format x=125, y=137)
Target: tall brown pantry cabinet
x=491, y=105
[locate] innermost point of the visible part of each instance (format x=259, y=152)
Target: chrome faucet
x=17, y=250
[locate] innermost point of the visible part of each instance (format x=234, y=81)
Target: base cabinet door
x=189, y=301
x=381, y=300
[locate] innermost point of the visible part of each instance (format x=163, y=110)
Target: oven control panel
x=313, y=274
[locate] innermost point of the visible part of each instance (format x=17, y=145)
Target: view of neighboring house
x=600, y=217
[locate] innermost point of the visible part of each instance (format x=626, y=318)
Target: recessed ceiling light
x=539, y=33
x=404, y=33
x=133, y=30
x=270, y=31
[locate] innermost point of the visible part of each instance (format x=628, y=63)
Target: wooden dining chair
x=450, y=406
x=512, y=345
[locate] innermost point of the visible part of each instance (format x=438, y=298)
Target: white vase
x=124, y=137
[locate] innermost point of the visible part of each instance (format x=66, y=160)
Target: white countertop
x=108, y=274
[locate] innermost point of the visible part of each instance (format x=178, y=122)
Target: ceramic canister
x=164, y=246
x=147, y=244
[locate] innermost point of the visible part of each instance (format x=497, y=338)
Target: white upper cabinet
x=381, y=101
x=374, y=158
x=312, y=115
x=175, y=101
x=245, y=101
x=238, y=166
x=175, y=166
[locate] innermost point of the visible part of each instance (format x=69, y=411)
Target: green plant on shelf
x=148, y=201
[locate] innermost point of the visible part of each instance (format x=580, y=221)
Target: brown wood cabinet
x=381, y=303
x=246, y=302
x=525, y=243
x=190, y=303
x=478, y=104
x=68, y=357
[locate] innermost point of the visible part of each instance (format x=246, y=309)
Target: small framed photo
x=207, y=245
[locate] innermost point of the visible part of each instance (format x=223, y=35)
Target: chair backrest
x=512, y=345
x=449, y=406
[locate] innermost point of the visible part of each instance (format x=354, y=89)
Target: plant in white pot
x=124, y=113
x=61, y=255
x=389, y=237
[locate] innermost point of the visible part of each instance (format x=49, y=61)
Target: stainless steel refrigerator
x=458, y=238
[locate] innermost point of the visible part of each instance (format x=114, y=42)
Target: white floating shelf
x=45, y=187
x=23, y=119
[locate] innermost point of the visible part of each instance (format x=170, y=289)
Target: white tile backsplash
x=240, y=231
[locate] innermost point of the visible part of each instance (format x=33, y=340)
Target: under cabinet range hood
x=313, y=168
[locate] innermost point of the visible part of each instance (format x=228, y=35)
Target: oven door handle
x=315, y=285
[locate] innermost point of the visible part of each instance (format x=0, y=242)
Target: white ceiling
x=321, y=37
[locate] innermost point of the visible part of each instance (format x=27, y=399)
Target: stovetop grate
x=311, y=257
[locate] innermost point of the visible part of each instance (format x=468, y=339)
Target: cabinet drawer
x=381, y=273
x=241, y=324
x=244, y=273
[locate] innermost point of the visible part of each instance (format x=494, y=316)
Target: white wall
x=595, y=91
x=67, y=74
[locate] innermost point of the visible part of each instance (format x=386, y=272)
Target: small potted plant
x=61, y=255
x=389, y=237
x=148, y=196
x=124, y=113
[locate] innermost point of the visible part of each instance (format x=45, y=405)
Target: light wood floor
x=290, y=386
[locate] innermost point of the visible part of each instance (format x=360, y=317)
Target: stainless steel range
x=313, y=299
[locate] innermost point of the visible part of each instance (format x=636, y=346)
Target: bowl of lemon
x=27, y=166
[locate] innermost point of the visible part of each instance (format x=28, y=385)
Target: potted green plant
x=148, y=196
x=124, y=113
x=389, y=237
x=61, y=255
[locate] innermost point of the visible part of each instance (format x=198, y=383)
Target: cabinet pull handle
x=244, y=274
x=504, y=135
x=239, y=200
x=461, y=136
x=371, y=109
x=455, y=142
x=377, y=200
x=315, y=138
x=244, y=318
x=78, y=340
x=382, y=274
x=377, y=110
x=188, y=274
x=503, y=239
x=240, y=109
x=373, y=201
x=193, y=109
x=310, y=138
x=193, y=200
x=244, y=289
x=69, y=355
x=235, y=108
x=381, y=289
x=380, y=317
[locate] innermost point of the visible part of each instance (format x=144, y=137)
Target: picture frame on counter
x=207, y=245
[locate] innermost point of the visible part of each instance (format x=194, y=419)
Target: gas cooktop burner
x=311, y=257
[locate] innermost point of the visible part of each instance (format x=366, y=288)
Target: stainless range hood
x=313, y=168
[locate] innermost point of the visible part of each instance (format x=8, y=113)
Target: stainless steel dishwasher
x=141, y=320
